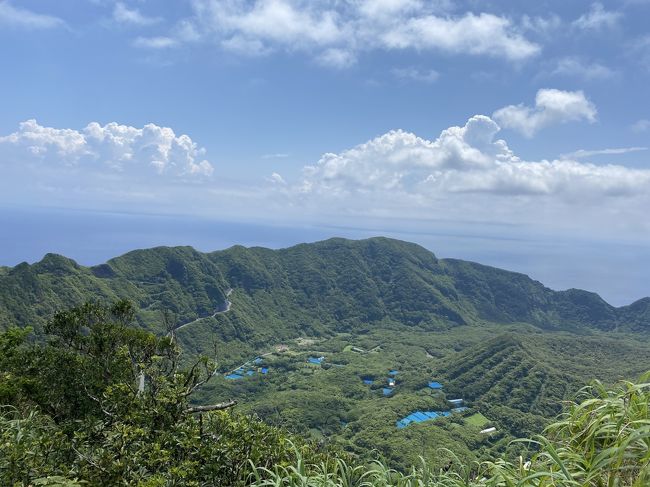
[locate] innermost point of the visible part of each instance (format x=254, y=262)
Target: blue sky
x=513, y=133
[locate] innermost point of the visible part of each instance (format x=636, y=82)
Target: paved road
x=226, y=307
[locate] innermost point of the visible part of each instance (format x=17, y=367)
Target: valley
x=513, y=378
x=511, y=348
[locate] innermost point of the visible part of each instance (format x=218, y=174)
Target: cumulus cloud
x=337, y=32
x=598, y=18
x=551, y=107
x=483, y=34
x=125, y=15
x=23, y=18
x=462, y=160
x=109, y=149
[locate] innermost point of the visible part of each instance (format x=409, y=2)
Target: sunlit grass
x=477, y=420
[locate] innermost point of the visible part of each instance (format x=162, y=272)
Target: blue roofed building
x=420, y=417
x=435, y=385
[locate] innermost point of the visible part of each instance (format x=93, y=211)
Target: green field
x=477, y=419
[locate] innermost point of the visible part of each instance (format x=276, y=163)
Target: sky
x=511, y=133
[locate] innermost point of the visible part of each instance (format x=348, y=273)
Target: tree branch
x=213, y=407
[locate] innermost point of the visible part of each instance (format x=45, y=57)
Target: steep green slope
x=505, y=297
x=180, y=280
x=319, y=288
x=353, y=283
x=343, y=284
x=525, y=377
x=29, y=294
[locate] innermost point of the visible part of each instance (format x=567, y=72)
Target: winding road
x=225, y=308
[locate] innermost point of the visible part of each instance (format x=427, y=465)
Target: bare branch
x=199, y=383
x=213, y=407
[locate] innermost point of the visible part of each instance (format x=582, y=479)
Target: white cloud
x=466, y=175
x=598, y=18
x=551, y=107
x=337, y=58
x=415, y=74
x=544, y=26
x=582, y=153
x=483, y=34
x=110, y=149
x=383, y=9
x=335, y=33
x=641, y=126
x=125, y=15
x=277, y=179
x=576, y=67
x=160, y=42
x=399, y=166
x=20, y=17
x=272, y=21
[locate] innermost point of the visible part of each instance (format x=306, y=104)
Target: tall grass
x=602, y=440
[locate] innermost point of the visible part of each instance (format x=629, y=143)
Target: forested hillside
x=325, y=287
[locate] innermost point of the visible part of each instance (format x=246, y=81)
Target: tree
x=78, y=410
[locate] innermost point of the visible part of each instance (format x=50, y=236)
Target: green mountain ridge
x=329, y=285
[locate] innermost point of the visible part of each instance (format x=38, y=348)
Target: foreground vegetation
x=602, y=440
x=108, y=404
x=99, y=402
